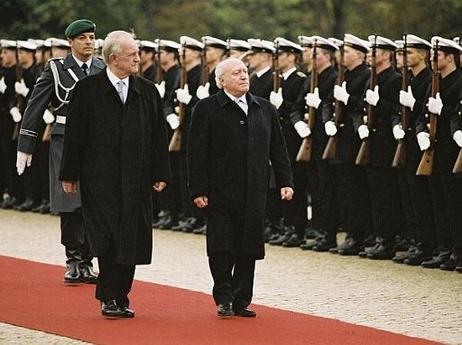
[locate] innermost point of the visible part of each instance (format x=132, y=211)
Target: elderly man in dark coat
x=116, y=147
x=234, y=138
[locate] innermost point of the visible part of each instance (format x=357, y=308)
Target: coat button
x=241, y=122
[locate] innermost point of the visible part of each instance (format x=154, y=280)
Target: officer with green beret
x=54, y=87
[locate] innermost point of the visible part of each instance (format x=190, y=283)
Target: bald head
x=231, y=75
x=120, y=52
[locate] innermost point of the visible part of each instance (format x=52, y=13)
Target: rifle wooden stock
x=175, y=141
x=425, y=167
x=304, y=152
x=400, y=154
x=458, y=165
x=47, y=133
x=276, y=70
x=331, y=148
x=363, y=154
x=15, y=134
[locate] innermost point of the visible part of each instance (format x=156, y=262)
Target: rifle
x=175, y=142
x=331, y=147
x=425, y=167
x=19, y=99
x=276, y=70
x=304, y=153
x=363, y=155
x=205, y=68
x=400, y=154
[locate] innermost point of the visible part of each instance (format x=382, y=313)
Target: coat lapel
x=70, y=63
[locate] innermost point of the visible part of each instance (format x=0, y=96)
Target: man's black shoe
x=420, y=255
x=169, y=224
x=399, y=258
x=27, y=205
x=459, y=269
x=281, y=239
x=225, y=310
x=201, y=231
x=86, y=274
x=9, y=202
x=383, y=252
x=313, y=233
x=454, y=261
x=72, y=274
x=244, y=312
x=128, y=313
x=369, y=241
x=437, y=260
x=350, y=247
x=325, y=244
x=293, y=241
x=110, y=309
x=401, y=244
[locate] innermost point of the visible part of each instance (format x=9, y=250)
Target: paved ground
x=397, y=298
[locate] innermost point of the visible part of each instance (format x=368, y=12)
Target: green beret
x=79, y=26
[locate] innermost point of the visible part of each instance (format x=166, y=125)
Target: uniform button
x=281, y=118
x=241, y=122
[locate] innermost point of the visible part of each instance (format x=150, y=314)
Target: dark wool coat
x=117, y=151
x=229, y=155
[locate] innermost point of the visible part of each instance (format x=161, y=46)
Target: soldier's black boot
x=327, y=242
x=386, y=251
x=365, y=252
x=437, y=260
x=72, y=274
x=420, y=255
x=282, y=238
x=350, y=247
x=455, y=260
x=399, y=258
x=27, y=205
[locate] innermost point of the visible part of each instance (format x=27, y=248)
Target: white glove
x=21, y=88
x=2, y=85
x=312, y=99
x=398, y=132
x=203, y=91
x=330, y=128
x=23, y=160
x=183, y=95
x=302, y=129
x=458, y=137
x=423, y=139
x=372, y=97
x=276, y=98
x=435, y=105
x=48, y=117
x=15, y=114
x=363, y=132
x=407, y=98
x=341, y=94
x=173, y=120
x=161, y=88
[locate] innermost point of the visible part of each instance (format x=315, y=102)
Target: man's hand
x=161, y=88
x=372, y=97
x=70, y=187
x=48, y=117
x=407, y=98
x=159, y=186
x=22, y=160
x=341, y=94
x=21, y=88
x=173, y=120
x=302, y=128
x=287, y=193
x=201, y=201
x=183, y=95
x=363, y=132
x=435, y=104
x=2, y=85
x=276, y=98
x=423, y=139
x=203, y=91
x=312, y=99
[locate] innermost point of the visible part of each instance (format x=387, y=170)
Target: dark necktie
x=85, y=69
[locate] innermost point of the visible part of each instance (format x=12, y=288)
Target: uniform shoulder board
x=56, y=59
x=301, y=74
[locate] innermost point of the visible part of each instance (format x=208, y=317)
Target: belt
x=61, y=119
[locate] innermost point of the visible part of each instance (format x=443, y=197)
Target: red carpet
x=33, y=296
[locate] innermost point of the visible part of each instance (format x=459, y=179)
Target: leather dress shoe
x=350, y=247
x=454, y=261
x=437, y=260
x=225, y=310
x=335, y=249
x=459, y=269
x=9, y=202
x=401, y=244
x=201, y=231
x=244, y=312
x=281, y=239
x=399, y=258
x=311, y=243
x=181, y=224
x=376, y=245
x=420, y=255
x=72, y=274
x=313, y=233
x=383, y=252
x=161, y=218
x=27, y=205
x=169, y=223
x=369, y=241
x=325, y=244
x=86, y=274
x=192, y=225
x=111, y=309
x=293, y=241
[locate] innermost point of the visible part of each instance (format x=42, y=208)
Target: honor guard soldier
x=190, y=58
x=320, y=172
x=54, y=86
x=260, y=61
x=9, y=122
x=59, y=48
x=99, y=48
x=238, y=49
x=214, y=51
x=415, y=192
x=444, y=185
x=351, y=179
x=42, y=54
x=147, y=58
x=383, y=101
x=338, y=53
x=31, y=180
x=291, y=83
x=399, y=55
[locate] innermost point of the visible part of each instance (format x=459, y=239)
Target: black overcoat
x=229, y=155
x=117, y=151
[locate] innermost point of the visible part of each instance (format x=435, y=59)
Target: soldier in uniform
x=382, y=178
x=55, y=85
x=260, y=61
x=147, y=56
x=215, y=51
x=238, y=49
x=10, y=118
x=295, y=212
x=191, y=61
x=29, y=73
x=351, y=179
x=320, y=173
x=415, y=192
x=59, y=48
x=444, y=185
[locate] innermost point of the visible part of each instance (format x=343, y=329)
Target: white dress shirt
x=241, y=101
x=80, y=63
x=287, y=74
x=114, y=80
x=262, y=71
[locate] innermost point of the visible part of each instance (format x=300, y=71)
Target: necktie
x=120, y=90
x=241, y=105
x=85, y=68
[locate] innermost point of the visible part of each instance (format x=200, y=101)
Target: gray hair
x=222, y=67
x=112, y=44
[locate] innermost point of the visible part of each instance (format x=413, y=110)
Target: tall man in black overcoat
x=116, y=147
x=233, y=137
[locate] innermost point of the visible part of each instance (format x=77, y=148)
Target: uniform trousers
x=74, y=237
